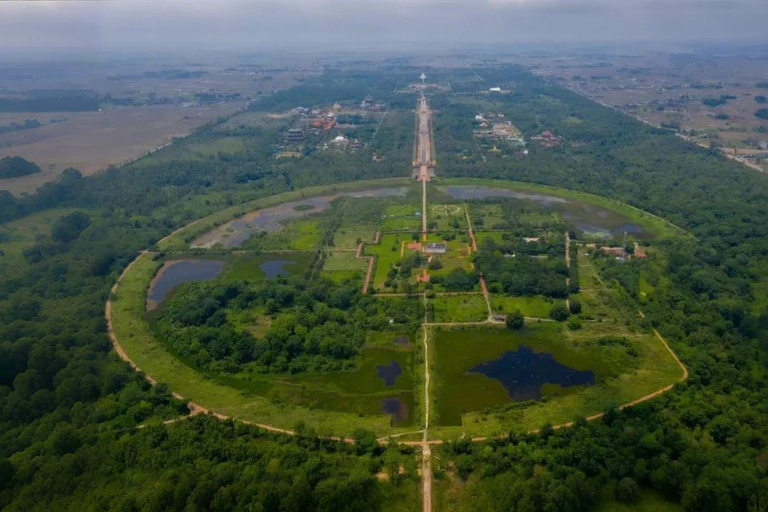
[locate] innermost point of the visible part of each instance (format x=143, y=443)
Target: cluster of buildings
x=492, y=126
x=547, y=139
x=319, y=123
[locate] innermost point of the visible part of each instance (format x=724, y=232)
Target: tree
x=559, y=312
x=365, y=441
x=69, y=227
x=626, y=490
x=761, y=99
x=515, y=320
x=575, y=306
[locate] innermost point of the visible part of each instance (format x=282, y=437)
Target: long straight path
x=424, y=160
x=423, y=157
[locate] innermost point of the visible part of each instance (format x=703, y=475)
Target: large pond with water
x=523, y=372
x=591, y=219
x=177, y=272
x=487, y=367
x=271, y=220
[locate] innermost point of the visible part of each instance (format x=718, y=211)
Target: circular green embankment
x=135, y=338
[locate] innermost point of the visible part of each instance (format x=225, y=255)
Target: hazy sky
x=344, y=24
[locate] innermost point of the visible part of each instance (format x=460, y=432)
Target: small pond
x=401, y=340
x=389, y=372
x=397, y=410
x=592, y=220
x=176, y=272
x=523, y=372
x=275, y=268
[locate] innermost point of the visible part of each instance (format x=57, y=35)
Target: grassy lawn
x=529, y=306
x=344, y=261
x=496, y=236
x=346, y=238
x=387, y=253
x=491, y=215
x=449, y=217
x=460, y=308
x=402, y=217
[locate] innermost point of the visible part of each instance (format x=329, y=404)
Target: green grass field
x=529, y=306
x=448, y=217
x=387, y=253
x=344, y=261
x=402, y=217
x=460, y=308
x=347, y=238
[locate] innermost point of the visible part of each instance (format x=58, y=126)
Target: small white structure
x=495, y=89
x=435, y=248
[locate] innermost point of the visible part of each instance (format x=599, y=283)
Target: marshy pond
x=592, y=220
x=177, y=272
x=482, y=368
x=236, y=232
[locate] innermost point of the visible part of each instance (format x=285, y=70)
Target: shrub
x=559, y=312
x=626, y=490
x=515, y=320
x=575, y=306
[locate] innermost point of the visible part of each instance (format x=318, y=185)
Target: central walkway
x=424, y=157
x=424, y=161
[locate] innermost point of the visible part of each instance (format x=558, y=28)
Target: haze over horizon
x=101, y=26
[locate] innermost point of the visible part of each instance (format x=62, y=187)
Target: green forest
x=70, y=408
x=314, y=325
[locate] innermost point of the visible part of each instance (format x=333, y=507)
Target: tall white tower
x=423, y=77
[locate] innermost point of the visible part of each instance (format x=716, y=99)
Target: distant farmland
x=91, y=141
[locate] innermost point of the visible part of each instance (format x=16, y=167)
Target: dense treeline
x=619, y=453
x=315, y=325
x=204, y=464
x=15, y=166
